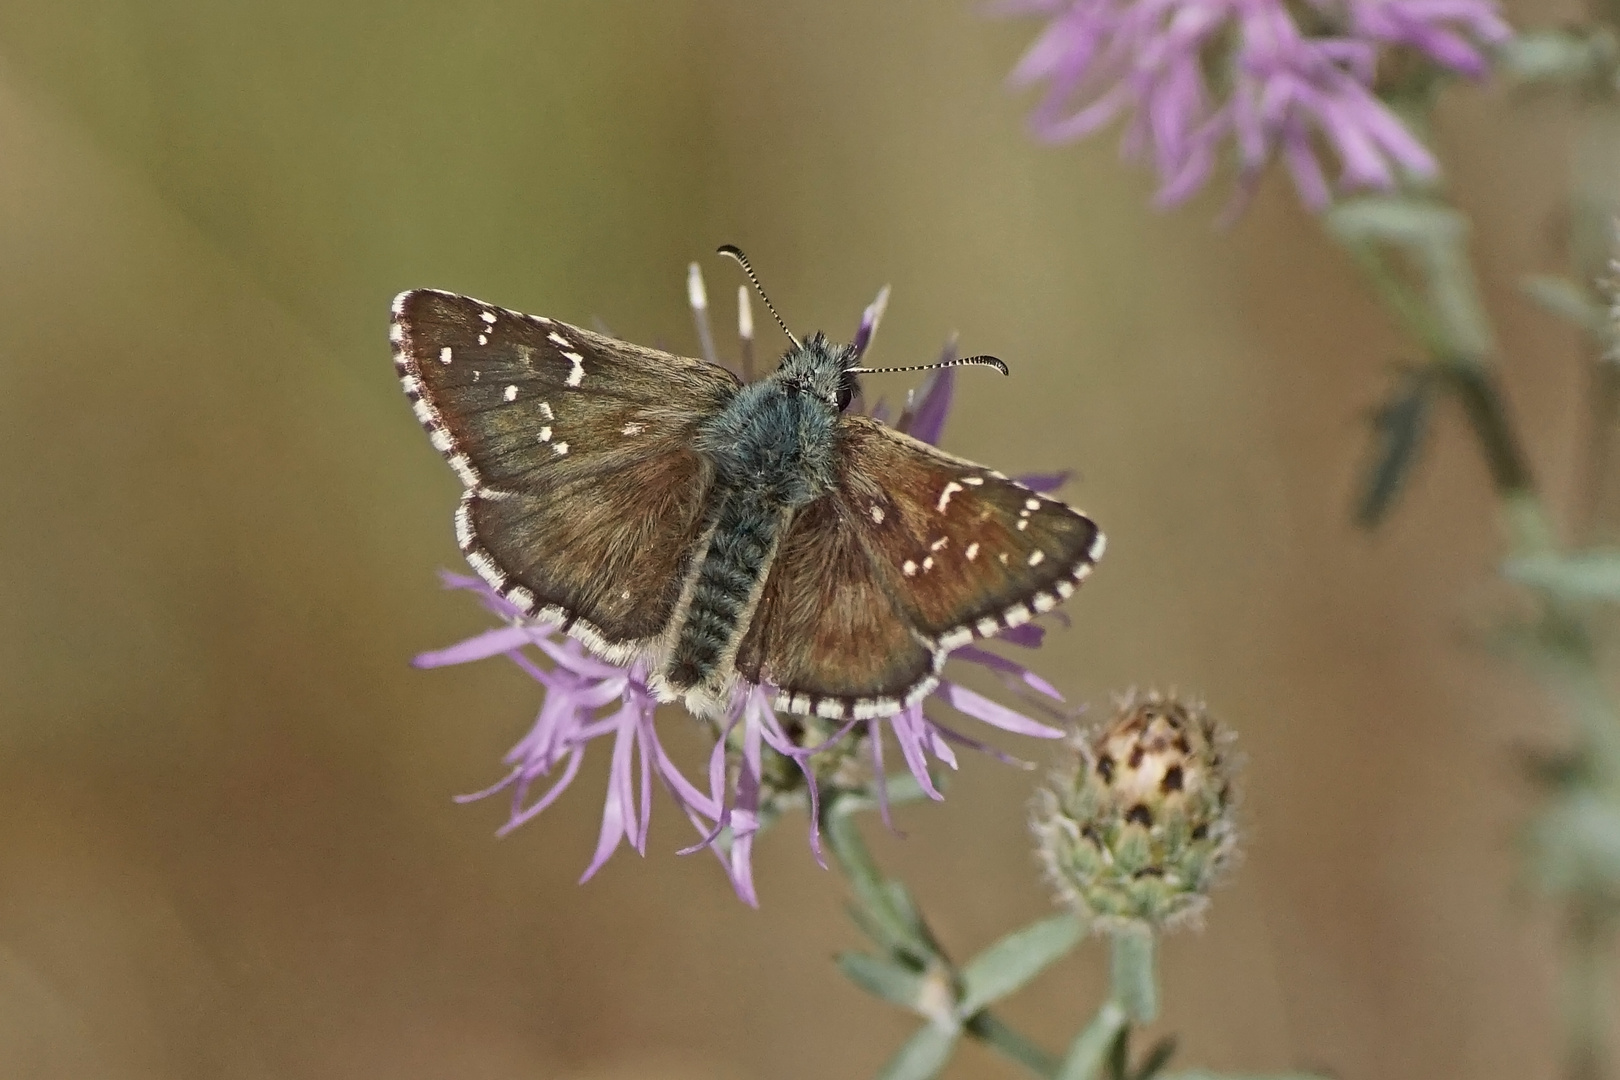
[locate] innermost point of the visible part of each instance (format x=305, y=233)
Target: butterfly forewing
x=826, y=632
x=964, y=550
x=585, y=496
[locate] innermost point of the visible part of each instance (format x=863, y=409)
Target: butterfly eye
x=847, y=388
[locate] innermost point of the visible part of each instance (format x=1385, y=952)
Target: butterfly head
x=821, y=369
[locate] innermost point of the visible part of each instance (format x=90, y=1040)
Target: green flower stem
x=1446, y=316
x=1587, y=993
x=877, y=896
x=1133, y=982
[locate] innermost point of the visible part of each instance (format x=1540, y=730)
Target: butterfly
x=657, y=508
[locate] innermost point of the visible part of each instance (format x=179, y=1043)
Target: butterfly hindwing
x=966, y=551
x=826, y=632
x=585, y=497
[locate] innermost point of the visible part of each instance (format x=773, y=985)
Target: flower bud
x=1137, y=824
x=844, y=764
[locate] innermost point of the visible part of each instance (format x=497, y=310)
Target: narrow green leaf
x=895, y=929
x=883, y=978
x=1015, y=959
x=1567, y=300
x=985, y=1026
x=905, y=909
x=1396, y=219
x=1090, y=1048
x=923, y=1055
x=1398, y=429
x=1158, y=1056
x=886, y=935
x=1584, y=575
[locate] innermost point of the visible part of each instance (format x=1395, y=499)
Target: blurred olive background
x=227, y=847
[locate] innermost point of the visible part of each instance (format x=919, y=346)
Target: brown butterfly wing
x=826, y=633
x=585, y=500
x=964, y=551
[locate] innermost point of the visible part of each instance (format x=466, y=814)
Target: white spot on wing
x=545, y=411
x=1017, y=615
x=956, y=638
x=909, y=568
x=557, y=339
x=560, y=447
x=445, y=355
x=951, y=488
x=928, y=563
x=972, y=551
x=545, y=434
x=1044, y=601
x=487, y=316
x=1023, y=523
x=632, y=429
x=987, y=627
x=973, y=481
x=877, y=514
x=937, y=544
x=521, y=597
x=483, y=339
x=577, y=375
x=1065, y=589
x=510, y=394
x=1002, y=558
x=1037, y=557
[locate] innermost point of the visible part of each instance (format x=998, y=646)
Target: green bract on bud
x=1136, y=825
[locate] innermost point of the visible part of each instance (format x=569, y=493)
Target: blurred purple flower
x=579, y=689
x=1189, y=75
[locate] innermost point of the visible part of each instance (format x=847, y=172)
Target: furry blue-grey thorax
x=775, y=439
x=773, y=448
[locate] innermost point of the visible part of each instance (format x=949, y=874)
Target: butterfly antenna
x=975, y=361
x=736, y=253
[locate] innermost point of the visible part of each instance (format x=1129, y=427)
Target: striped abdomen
x=722, y=596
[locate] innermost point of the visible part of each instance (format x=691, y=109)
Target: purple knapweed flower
x=586, y=699
x=1191, y=76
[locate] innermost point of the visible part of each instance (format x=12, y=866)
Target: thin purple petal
x=984, y=658
x=1044, y=482
x=982, y=708
x=478, y=647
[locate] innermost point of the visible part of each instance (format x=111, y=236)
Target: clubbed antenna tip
x=735, y=252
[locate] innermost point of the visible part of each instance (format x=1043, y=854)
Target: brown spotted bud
x=1136, y=824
